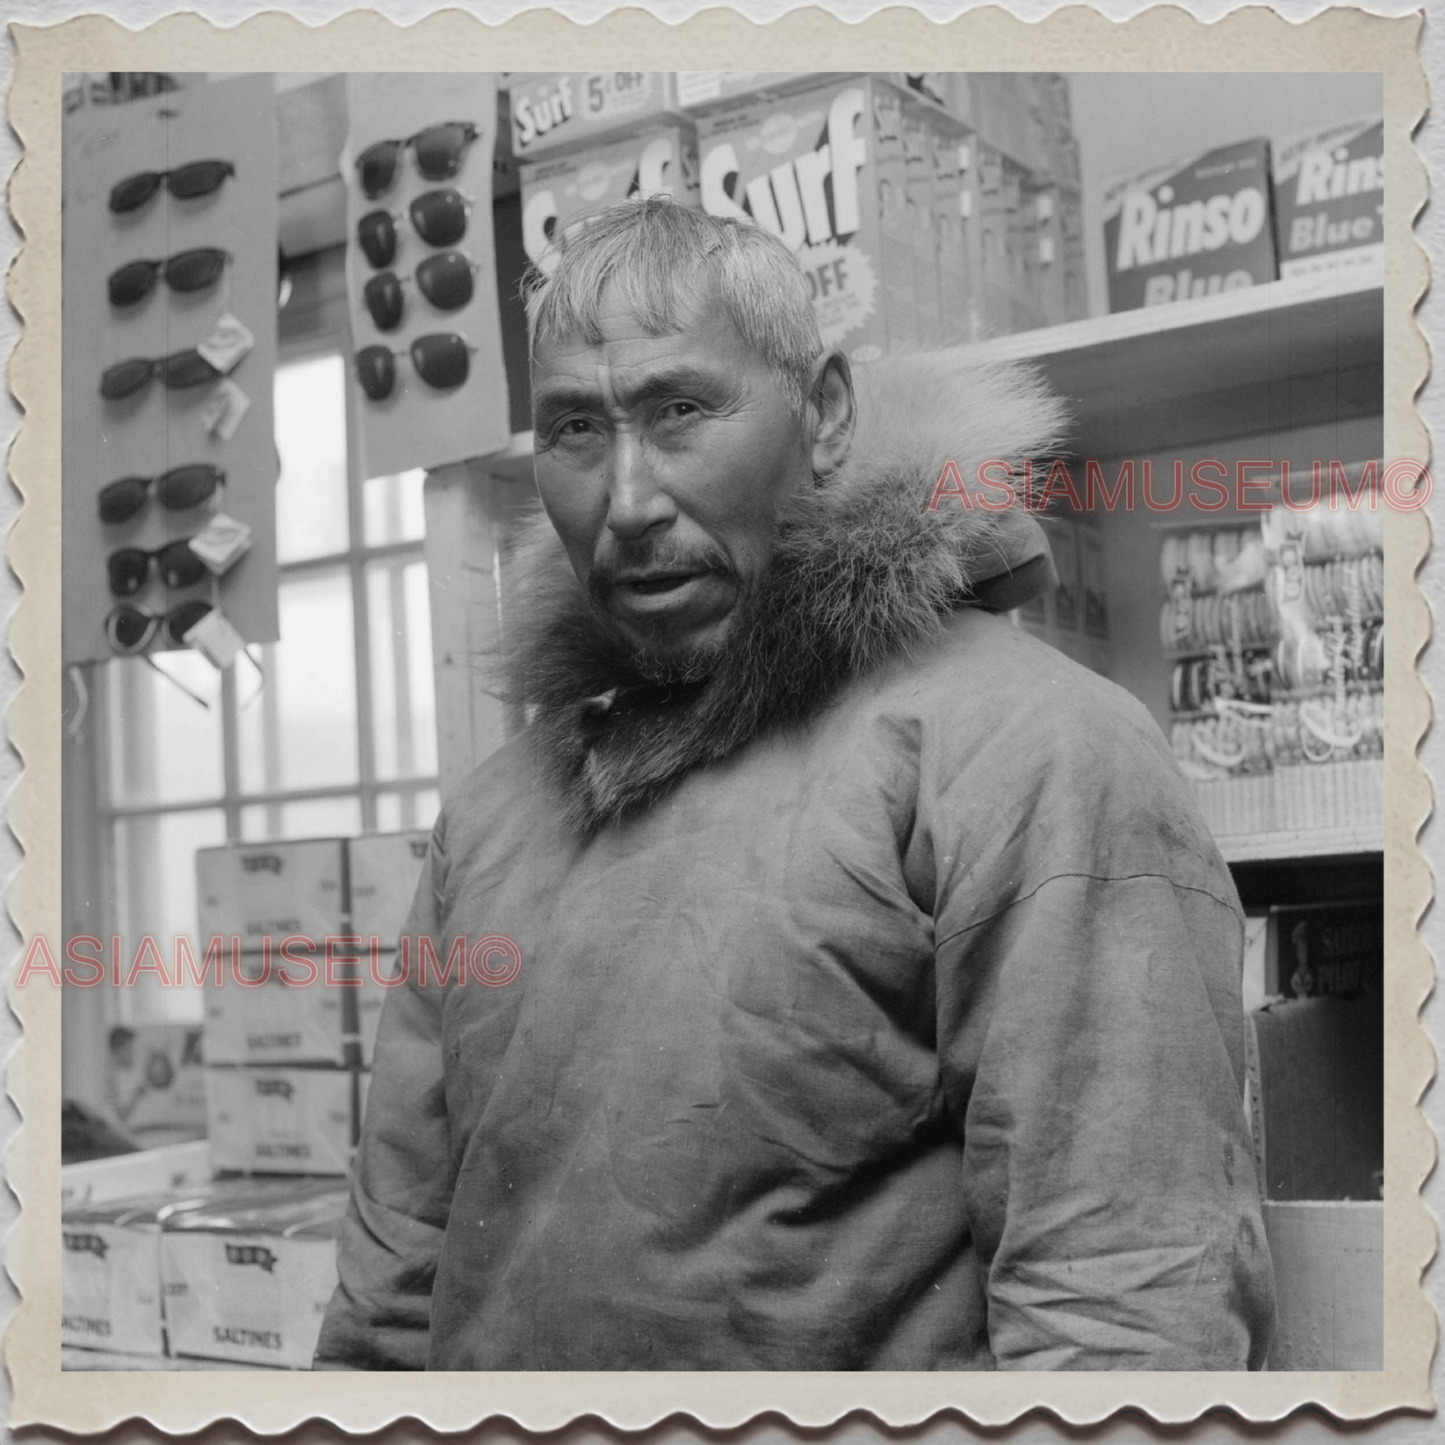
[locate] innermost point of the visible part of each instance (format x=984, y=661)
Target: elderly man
x=879, y=1003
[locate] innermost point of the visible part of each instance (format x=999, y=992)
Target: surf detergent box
x=249, y=1278
x=1190, y=229
x=822, y=169
x=559, y=192
x=555, y=110
x=1329, y=199
x=701, y=89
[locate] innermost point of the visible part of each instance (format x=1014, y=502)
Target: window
x=331, y=731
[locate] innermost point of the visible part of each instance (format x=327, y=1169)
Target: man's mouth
x=653, y=583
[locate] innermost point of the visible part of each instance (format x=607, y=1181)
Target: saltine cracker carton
x=1329, y=199
x=1190, y=229
x=385, y=870
x=272, y=891
x=285, y=1120
x=110, y=1287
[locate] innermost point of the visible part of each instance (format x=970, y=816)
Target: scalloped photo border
x=1070, y=40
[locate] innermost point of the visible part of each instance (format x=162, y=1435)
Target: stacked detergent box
x=305, y=931
x=238, y=1270
x=925, y=208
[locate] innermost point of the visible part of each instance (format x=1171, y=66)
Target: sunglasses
x=175, y=490
x=130, y=567
x=439, y=217
x=199, y=178
x=129, y=630
x=445, y=281
x=438, y=148
x=179, y=370
x=441, y=360
x=185, y=271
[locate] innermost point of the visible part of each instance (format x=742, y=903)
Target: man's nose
x=635, y=501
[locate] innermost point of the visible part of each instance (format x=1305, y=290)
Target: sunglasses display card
x=170, y=244
x=421, y=272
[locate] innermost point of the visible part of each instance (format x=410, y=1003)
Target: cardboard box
x=809, y=167
x=1329, y=199
x=285, y=1120
x=704, y=89
x=385, y=869
x=248, y=1279
x=1326, y=950
x=917, y=132
x=157, y=1081
x=170, y=1167
x=272, y=891
x=955, y=235
x=110, y=1283
x=559, y=192
x=1316, y=1089
x=1190, y=229
x=277, y=1022
x=555, y=110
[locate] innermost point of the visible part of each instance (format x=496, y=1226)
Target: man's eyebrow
x=563, y=394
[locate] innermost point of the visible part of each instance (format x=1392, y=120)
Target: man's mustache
x=628, y=560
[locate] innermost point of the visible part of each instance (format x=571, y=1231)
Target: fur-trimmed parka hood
x=862, y=571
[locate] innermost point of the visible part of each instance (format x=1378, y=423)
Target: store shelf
x=1288, y=354
x=1300, y=843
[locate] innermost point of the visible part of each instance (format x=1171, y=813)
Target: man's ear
x=832, y=412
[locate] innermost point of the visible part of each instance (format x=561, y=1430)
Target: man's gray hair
x=662, y=258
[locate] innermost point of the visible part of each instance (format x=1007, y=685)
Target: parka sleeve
x=380, y=1314
x=1091, y=1045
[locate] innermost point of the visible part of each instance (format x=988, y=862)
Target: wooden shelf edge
x=1301, y=843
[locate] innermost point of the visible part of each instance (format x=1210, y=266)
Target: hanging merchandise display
x=421, y=274
x=169, y=279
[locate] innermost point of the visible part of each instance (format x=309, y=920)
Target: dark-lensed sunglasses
x=129, y=630
x=439, y=218
x=185, y=271
x=445, y=280
x=442, y=360
x=178, y=371
x=198, y=178
x=129, y=568
x=439, y=150
x=175, y=490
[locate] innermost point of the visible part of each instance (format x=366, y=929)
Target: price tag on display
x=215, y=639
x=227, y=344
x=221, y=543
x=224, y=409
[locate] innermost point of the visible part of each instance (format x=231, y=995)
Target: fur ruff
x=862, y=572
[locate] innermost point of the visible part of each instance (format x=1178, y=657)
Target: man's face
x=661, y=461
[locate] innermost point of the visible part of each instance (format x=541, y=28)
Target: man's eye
x=678, y=410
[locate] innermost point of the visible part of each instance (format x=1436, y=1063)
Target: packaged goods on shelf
x=110, y=1285
x=156, y=1077
x=322, y=1012
x=1329, y=199
x=385, y=869
x=1191, y=228
x=1334, y=950
x=811, y=167
x=956, y=237
x=563, y=110
x=272, y=891
x=127, y=1176
x=705, y=88
x=917, y=132
x=284, y=1120
x=249, y=1278
x=556, y=193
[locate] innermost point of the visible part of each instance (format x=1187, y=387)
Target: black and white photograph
x=724, y=721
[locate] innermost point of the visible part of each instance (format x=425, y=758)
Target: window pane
x=311, y=438
x=300, y=730
x=308, y=818
x=164, y=746
x=402, y=690
x=392, y=507
x=398, y=811
x=155, y=888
